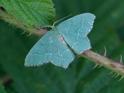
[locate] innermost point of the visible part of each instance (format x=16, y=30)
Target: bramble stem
x=94, y=57
x=104, y=61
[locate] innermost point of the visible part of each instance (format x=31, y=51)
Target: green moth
x=60, y=44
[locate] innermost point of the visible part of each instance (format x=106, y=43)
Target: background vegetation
x=80, y=77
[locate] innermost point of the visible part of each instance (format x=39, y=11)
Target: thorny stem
x=104, y=61
x=89, y=54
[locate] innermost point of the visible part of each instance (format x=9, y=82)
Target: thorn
x=23, y=32
x=111, y=72
x=96, y=65
x=121, y=59
x=99, y=66
x=122, y=77
x=29, y=34
x=105, y=51
x=115, y=75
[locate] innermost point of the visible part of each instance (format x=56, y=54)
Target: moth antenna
x=105, y=51
x=60, y=20
x=121, y=59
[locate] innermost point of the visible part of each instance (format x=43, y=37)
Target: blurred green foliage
x=80, y=77
x=2, y=89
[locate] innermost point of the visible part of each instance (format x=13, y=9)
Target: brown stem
x=104, y=61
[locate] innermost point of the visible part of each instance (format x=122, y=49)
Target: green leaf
x=2, y=90
x=32, y=13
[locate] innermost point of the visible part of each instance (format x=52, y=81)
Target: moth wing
x=75, y=31
x=50, y=48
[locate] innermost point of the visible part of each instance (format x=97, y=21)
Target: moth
x=63, y=42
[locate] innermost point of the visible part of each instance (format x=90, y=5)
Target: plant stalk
x=104, y=61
